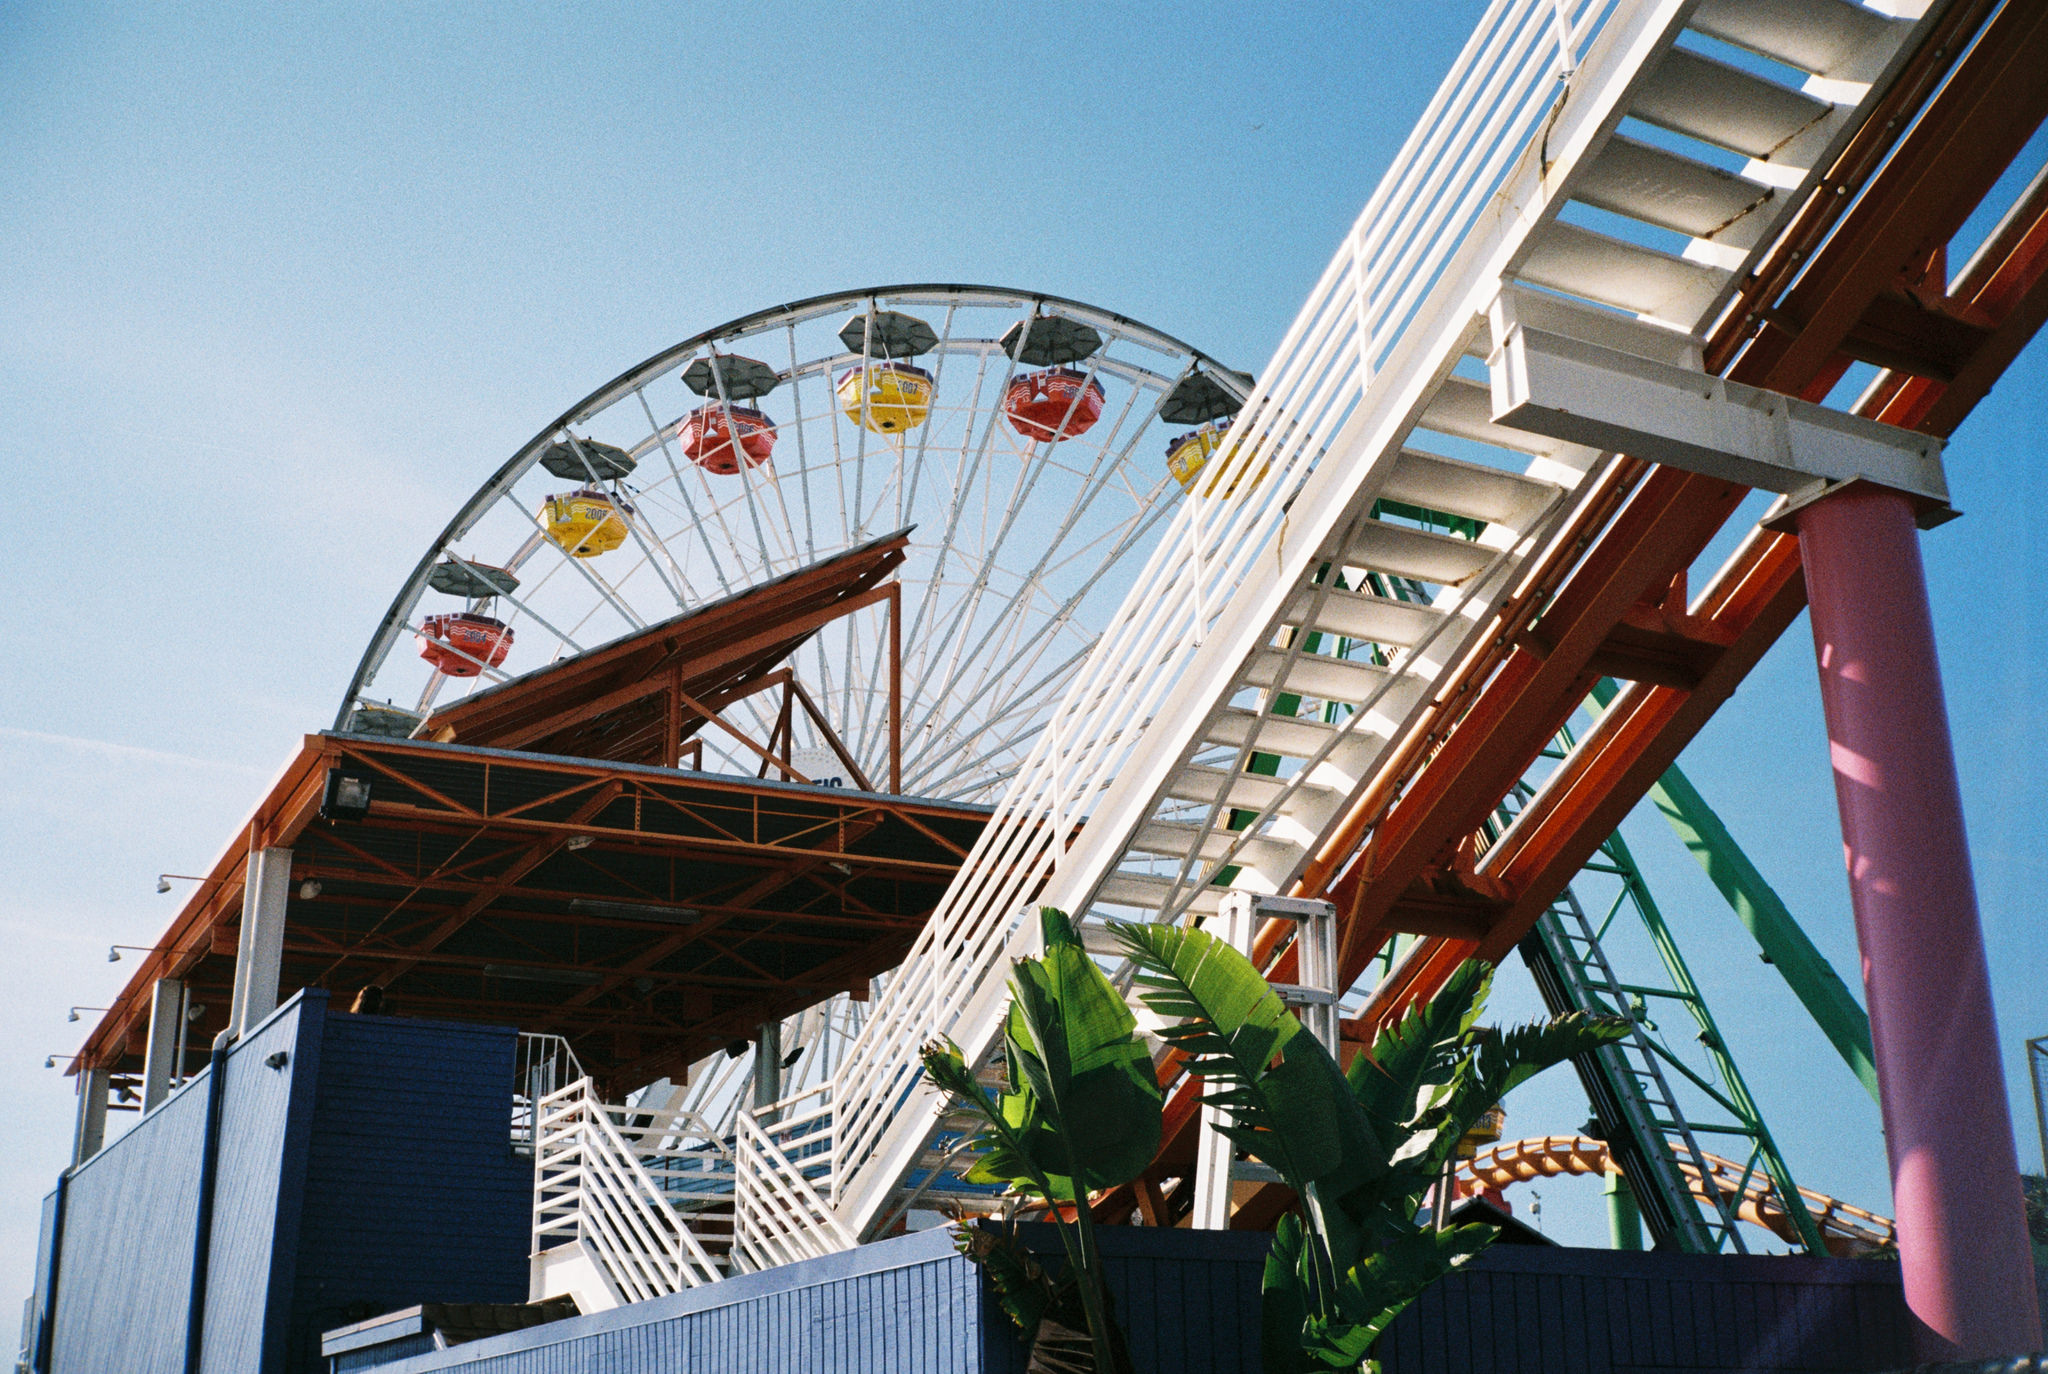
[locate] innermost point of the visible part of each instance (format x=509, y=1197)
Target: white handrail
x=1338, y=395
x=780, y=1212
x=590, y=1185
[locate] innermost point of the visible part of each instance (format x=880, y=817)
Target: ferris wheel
x=1030, y=445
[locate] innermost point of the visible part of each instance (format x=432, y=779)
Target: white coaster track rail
x=1299, y=615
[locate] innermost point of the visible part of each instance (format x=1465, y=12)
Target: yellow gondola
x=586, y=522
x=895, y=399
x=1188, y=454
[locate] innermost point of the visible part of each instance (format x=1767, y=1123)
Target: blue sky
x=282, y=285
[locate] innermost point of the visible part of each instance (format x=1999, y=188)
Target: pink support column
x=1955, y=1178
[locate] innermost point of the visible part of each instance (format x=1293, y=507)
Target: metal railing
x=543, y=1064
x=1539, y=83
x=1331, y=409
x=591, y=1184
x=785, y=1160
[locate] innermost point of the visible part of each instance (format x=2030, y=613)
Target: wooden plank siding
x=1189, y=1303
x=370, y=1168
x=125, y=1269
x=907, y=1306
x=1545, y=1310
x=412, y=1190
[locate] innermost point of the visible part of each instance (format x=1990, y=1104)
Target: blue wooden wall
x=125, y=1269
x=1187, y=1301
x=369, y=1168
x=1189, y=1304
x=903, y=1306
x=1523, y=1309
x=412, y=1191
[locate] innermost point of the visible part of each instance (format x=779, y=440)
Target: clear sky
x=280, y=285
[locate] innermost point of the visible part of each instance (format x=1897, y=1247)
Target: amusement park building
x=758, y=695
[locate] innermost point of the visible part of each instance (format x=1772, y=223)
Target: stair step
x=1246, y=791
x=1464, y=408
x=1274, y=858
x=1831, y=38
x=1360, y=615
x=1456, y=487
x=1445, y=559
x=1144, y=890
x=1293, y=736
x=1673, y=192
x=1624, y=275
x=1333, y=679
x=1728, y=107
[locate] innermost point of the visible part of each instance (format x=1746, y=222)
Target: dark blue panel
x=125, y=1270
x=241, y=1265
x=412, y=1190
x=39, y=1296
x=126, y=1263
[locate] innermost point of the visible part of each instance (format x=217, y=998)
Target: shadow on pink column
x=1963, y=1247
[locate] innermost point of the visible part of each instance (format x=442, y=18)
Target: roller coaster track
x=1848, y=1230
x=1930, y=150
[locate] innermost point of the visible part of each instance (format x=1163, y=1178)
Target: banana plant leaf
x=1082, y=1097
x=1287, y=1101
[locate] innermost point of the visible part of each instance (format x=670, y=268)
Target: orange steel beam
x=1508, y=708
x=1936, y=177
x=1919, y=196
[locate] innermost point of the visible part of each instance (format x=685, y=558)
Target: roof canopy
x=579, y=882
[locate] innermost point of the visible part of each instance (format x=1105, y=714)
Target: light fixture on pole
x=75, y=1010
x=114, y=951
x=163, y=880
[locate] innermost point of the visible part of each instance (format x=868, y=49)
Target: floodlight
x=347, y=797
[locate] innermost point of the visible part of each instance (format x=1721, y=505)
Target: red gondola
x=463, y=643
x=1055, y=403
x=708, y=437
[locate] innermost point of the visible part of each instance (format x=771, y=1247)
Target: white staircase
x=621, y=1202
x=1611, y=169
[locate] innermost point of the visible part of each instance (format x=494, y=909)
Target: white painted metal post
x=1315, y=948
x=259, y=957
x=91, y=1130
x=166, y=1031
x=1236, y=924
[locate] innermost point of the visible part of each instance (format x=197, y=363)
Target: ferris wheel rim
x=395, y=619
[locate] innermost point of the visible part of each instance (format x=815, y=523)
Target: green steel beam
x=1734, y=1095
x=1763, y=913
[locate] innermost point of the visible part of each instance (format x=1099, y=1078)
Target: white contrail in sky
x=132, y=753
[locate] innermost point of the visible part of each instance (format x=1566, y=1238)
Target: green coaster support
x=1764, y=915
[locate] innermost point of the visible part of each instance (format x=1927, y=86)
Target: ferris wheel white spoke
x=908, y=495
x=696, y=523
x=602, y=588
x=1062, y=616
x=866, y=420
x=1016, y=702
x=969, y=469
x=521, y=606
x=1035, y=470
x=802, y=457
x=631, y=524
x=744, y=464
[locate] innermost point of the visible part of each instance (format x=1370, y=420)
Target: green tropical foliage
x=1079, y=1111
x=1360, y=1149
